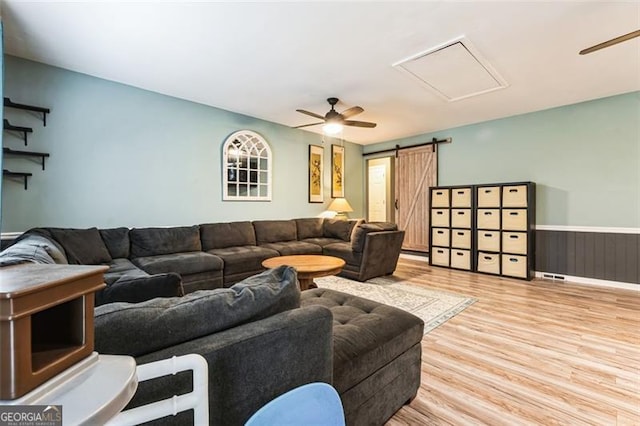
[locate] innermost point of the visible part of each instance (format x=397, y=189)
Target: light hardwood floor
x=534, y=352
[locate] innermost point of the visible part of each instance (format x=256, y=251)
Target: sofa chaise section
x=376, y=354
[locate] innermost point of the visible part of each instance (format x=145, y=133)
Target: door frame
x=390, y=184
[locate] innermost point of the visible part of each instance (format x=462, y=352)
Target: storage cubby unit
x=450, y=234
x=46, y=322
x=487, y=228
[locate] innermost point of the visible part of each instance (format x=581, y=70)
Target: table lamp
x=341, y=207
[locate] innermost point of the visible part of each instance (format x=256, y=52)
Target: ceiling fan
x=334, y=120
x=611, y=42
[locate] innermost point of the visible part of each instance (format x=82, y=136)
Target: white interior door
x=377, y=193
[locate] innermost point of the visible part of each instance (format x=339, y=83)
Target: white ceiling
x=266, y=59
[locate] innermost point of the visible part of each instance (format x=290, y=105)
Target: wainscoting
x=611, y=254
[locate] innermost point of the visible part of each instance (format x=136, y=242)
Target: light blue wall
x=585, y=159
x=122, y=156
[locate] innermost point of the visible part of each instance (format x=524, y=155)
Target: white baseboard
x=414, y=257
x=10, y=235
x=588, y=281
x=599, y=229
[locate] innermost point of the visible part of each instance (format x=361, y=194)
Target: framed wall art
x=337, y=171
x=316, y=161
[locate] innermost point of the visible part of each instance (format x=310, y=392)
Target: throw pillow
x=309, y=227
x=139, y=328
x=82, y=246
x=139, y=289
x=337, y=228
x=154, y=241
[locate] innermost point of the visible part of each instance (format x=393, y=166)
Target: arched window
x=246, y=167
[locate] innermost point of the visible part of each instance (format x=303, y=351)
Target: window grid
x=247, y=167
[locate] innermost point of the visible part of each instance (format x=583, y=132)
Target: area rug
x=434, y=307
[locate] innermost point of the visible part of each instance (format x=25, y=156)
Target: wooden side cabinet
x=46, y=322
x=493, y=224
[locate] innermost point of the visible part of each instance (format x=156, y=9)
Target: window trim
x=248, y=139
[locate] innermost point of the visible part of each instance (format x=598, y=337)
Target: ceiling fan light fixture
x=332, y=128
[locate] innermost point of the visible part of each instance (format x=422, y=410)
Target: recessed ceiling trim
x=437, y=59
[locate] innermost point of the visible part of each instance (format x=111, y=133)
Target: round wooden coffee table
x=308, y=266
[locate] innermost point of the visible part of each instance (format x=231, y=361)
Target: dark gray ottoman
x=376, y=355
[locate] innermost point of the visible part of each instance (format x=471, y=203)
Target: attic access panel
x=454, y=70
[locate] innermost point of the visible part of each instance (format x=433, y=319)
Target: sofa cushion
x=243, y=259
x=309, y=227
x=154, y=241
x=274, y=231
x=294, y=247
x=221, y=235
x=322, y=241
x=117, y=241
x=139, y=328
x=367, y=335
x=82, y=246
x=182, y=263
x=344, y=251
x=119, y=268
x=338, y=228
x=134, y=289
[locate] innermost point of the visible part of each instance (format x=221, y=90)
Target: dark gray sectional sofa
x=215, y=255
x=263, y=337
x=260, y=335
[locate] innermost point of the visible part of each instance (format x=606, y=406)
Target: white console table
x=91, y=391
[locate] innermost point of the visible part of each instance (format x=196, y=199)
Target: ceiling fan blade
x=350, y=112
x=307, y=125
x=312, y=114
x=611, y=42
x=359, y=123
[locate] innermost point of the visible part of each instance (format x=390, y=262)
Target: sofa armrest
x=380, y=254
x=251, y=364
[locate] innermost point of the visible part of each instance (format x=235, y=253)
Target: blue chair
x=312, y=404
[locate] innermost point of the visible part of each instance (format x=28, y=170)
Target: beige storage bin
x=461, y=259
x=514, y=220
x=461, y=197
x=514, y=266
x=514, y=242
x=440, y=237
x=489, y=240
x=514, y=196
x=440, y=256
x=439, y=198
x=488, y=219
x=489, y=196
x=461, y=218
x=489, y=263
x=461, y=238
x=440, y=217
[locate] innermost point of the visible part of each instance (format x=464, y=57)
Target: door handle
x=396, y=204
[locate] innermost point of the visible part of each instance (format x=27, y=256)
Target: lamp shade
x=332, y=128
x=340, y=205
